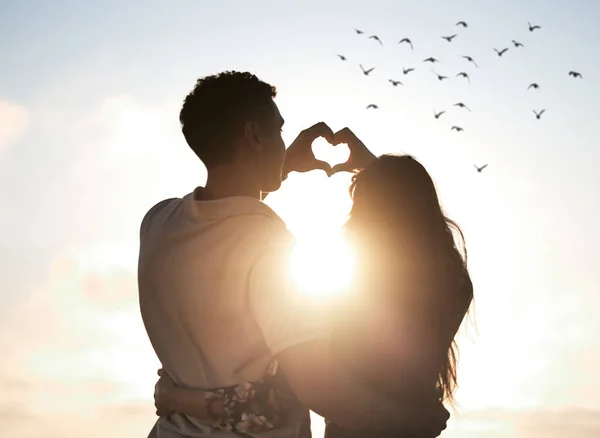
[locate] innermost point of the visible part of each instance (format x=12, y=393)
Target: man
x=214, y=279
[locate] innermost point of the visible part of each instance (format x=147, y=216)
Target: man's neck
x=228, y=181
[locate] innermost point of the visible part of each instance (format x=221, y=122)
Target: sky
x=89, y=140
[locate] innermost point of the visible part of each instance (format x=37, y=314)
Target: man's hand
x=359, y=157
x=299, y=156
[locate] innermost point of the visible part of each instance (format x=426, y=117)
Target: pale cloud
x=118, y=157
x=13, y=122
x=76, y=347
x=76, y=360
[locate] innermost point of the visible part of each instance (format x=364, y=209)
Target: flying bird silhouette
x=372, y=105
x=342, y=57
x=479, y=169
x=366, y=72
x=500, y=52
x=457, y=129
x=395, y=83
x=575, y=74
x=464, y=75
x=468, y=58
x=461, y=23
x=462, y=105
x=449, y=38
x=437, y=115
x=376, y=38
x=407, y=70
x=432, y=60
x=358, y=32
x=532, y=28
x=406, y=40
x=539, y=115
x=517, y=44
x=534, y=86
x=439, y=76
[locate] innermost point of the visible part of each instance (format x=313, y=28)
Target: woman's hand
x=170, y=398
x=359, y=157
x=163, y=394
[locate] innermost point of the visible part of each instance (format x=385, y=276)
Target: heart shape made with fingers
x=329, y=152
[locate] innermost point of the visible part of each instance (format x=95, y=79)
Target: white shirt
x=216, y=295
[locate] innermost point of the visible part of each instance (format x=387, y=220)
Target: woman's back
x=413, y=285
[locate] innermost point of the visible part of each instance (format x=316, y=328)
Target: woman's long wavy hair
x=396, y=220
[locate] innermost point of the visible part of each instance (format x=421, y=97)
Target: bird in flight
x=456, y=128
x=395, y=83
x=464, y=75
x=575, y=74
x=408, y=41
x=534, y=86
x=517, y=44
x=532, y=28
x=538, y=115
x=462, y=105
x=468, y=58
x=479, y=169
x=407, y=70
x=462, y=23
x=366, y=72
x=500, y=52
x=358, y=32
x=449, y=38
x=372, y=105
x=342, y=57
x=376, y=38
x=437, y=115
x=432, y=60
x=439, y=76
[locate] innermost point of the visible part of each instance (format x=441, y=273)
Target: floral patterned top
x=253, y=407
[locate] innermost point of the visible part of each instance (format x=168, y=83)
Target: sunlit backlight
x=324, y=268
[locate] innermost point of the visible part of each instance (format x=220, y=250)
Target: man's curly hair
x=215, y=111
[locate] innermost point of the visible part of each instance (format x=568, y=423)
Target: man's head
x=230, y=118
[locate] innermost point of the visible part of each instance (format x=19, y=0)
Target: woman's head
x=401, y=235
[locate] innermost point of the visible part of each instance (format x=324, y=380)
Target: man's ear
x=251, y=133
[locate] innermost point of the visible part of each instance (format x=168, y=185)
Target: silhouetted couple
x=242, y=351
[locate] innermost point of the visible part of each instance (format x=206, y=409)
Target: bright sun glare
x=323, y=268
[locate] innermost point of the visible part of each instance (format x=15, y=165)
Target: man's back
x=196, y=266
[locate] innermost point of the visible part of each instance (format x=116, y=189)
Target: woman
x=411, y=292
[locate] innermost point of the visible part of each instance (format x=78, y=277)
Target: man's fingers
x=320, y=130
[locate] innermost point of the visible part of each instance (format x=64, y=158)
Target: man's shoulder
x=155, y=210
x=261, y=230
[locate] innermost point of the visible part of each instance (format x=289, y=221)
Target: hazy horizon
x=90, y=140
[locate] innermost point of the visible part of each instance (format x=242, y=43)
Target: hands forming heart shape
x=301, y=158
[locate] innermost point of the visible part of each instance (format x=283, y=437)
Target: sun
x=322, y=268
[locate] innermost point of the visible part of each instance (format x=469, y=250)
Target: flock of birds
x=462, y=74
